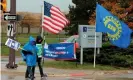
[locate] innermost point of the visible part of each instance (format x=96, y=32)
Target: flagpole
x=42, y=11
x=42, y=31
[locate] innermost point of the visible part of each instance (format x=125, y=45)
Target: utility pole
x=11, y=63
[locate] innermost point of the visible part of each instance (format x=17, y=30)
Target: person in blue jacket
x=29, y=56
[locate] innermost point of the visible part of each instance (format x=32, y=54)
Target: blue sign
x=62, y=51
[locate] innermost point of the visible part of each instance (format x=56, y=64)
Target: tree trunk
x=28, y=29
x=22, y=29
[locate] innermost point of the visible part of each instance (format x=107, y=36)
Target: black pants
x=40, y=66
x=30, y=72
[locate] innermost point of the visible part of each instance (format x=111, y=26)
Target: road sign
x=87, y=36
x=10, y=30
x=10, y=17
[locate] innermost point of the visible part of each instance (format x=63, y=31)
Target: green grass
x=72, y=65
x=23, y=38
x=34, y=35
x=105, y=44
x=5, y=51
x=19, y=39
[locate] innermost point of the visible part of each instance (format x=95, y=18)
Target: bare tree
x=29, y=20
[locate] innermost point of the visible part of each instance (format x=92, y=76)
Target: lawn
x=23, y=38
x=5, y=51
x=74, y=65
x=34, y=35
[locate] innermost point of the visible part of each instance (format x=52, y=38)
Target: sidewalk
x=53, y=72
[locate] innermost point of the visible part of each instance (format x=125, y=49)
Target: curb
x=67, y=75
x=48, y=74
x=58, y=75
x=77, y=74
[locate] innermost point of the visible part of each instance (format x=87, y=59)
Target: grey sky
x=35, y=5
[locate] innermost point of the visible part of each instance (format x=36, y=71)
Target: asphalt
x=53, y=72
x=63, y=74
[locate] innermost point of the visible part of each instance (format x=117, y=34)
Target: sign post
x=98, y=51
x=81, y=56
x=87, y=39
x=12, y=17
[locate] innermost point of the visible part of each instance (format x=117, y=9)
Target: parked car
x=73, y=39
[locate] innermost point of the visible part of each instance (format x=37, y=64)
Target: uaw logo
x=114, y=25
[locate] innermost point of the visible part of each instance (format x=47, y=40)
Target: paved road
x=61, y=74
x=9, y=77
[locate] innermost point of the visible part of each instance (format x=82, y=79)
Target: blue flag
x=118, y=32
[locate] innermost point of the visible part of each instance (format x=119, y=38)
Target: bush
x=110, y=55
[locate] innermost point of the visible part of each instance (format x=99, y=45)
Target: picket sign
x=13, y=44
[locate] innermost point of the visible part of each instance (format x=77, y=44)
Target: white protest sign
x=12, y=44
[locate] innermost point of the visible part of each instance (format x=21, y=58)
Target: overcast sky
x=35, y=5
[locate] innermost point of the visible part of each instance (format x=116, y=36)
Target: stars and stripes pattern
x=53, y=19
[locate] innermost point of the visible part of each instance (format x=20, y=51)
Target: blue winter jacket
x=30, y=58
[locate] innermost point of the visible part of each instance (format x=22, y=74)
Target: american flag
x=53, y=19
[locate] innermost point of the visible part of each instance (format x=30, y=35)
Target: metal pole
x=42, y=32
x=11, y=63
x=95, y=43
x=95, y=52
x=98, y=51
x=42, y=11
x=81, y=56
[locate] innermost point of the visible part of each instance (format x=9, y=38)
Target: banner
x=12, y=44
x=63, y=51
